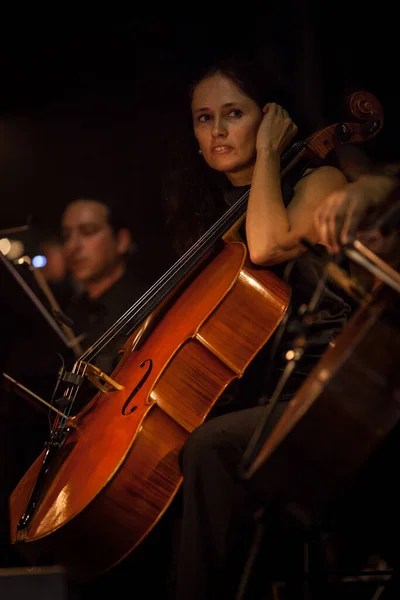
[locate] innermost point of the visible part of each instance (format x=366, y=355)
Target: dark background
x=86, y=98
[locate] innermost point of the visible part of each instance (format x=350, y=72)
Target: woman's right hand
x=275, y=131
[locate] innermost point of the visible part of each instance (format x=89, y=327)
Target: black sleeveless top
x=334, y=309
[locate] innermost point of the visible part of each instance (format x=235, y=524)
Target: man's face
x=91, y=247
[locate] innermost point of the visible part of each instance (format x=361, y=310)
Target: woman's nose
x=218, y=129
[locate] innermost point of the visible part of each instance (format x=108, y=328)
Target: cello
x=108, y=474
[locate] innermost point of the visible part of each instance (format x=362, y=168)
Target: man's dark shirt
x=94, y=317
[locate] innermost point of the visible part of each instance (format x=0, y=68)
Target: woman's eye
x=236, y=112
x=203, y=118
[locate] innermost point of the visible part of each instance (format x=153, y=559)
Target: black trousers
x=218, y=508
x=217, y=522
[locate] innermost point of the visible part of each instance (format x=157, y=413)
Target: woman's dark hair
x=193, y=192
x=250, y=77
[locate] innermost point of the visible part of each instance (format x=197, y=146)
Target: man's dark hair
x=115, y=218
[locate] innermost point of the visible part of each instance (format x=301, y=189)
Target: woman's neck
x=240, y=178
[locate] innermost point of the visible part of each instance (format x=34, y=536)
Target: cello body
x=117, y=471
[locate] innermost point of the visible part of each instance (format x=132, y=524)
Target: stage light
x=16, y=250
x=39, y=261
x=5, y=246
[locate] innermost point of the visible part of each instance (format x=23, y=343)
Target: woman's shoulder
x=320, y=175
x=323, y=170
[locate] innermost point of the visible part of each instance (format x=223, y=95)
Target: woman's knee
x=199, y=446
x=222, y=438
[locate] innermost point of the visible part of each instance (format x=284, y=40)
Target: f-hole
x=133, y=393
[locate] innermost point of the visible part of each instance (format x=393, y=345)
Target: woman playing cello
x=240, y=133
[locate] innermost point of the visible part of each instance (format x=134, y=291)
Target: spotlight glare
x=39, y=261
x=5, y=246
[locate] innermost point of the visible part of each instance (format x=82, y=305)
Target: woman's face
x=225, y=123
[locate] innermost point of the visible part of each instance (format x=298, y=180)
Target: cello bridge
x=101, y=380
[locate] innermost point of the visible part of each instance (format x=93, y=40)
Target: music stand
x=35, y=300
x=8, y=270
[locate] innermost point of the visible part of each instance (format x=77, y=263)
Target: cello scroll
x=362, y=106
